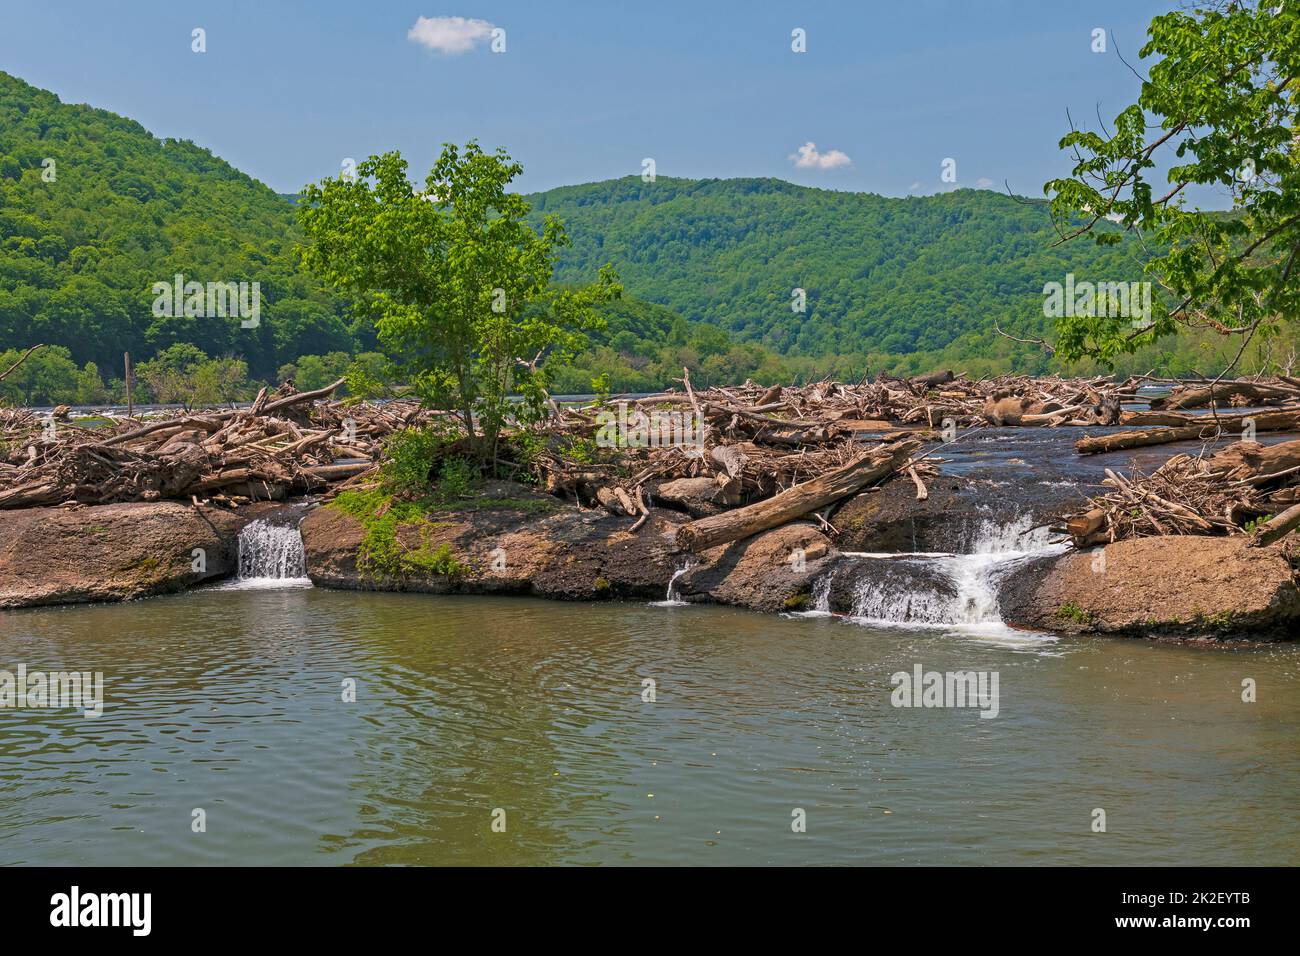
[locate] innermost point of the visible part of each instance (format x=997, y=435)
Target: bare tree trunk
x=1199, y=427
x=21, y=359
x=796, y=501
x=1277, y=527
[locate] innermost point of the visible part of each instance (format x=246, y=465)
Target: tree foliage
x=1218, y=110
x=94, y=210
x=886, y=279
x=457, y=281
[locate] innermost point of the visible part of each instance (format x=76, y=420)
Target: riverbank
x=975, y=565
x=931, y=502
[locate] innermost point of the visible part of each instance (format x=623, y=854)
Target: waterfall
x=673, y=598
x=821, y=598
x=993, y=537
x=947, y=590
x=271, y=556
x=821, y=594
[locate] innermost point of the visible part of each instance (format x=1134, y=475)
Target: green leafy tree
x=90, y=388
x=47, y=377
x=220, y=381
x=317, y=371
x=183, y=375
x=1219, y=109
x=458, y=282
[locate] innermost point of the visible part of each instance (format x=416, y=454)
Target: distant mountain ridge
x=881, y=275
x=94, y=209
x=901, y=284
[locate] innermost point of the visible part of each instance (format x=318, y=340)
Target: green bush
x=457, y=478
x=411, y=456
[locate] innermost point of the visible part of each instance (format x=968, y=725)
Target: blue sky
x=585, y=91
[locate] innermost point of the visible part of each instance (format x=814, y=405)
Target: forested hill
x=94, y=210
x=920, y=274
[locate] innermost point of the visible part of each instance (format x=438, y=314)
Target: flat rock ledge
x=78, y=554
x=538, y=546
x=518, y=541
x=1178, y=587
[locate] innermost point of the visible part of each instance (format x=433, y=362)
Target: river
x=230, y=700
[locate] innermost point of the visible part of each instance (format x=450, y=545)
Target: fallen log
x=1278, y=420
x=1199, y=397
x=1204, y=428
x=328, y=473
x=1088, y=528
x=796, y=501
x=206, y=423
x=1249, y=462
x=1118, y=441
x=1277, y=527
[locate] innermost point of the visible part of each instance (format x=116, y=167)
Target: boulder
x=1173, y=587
x=772, y=571
x=513, y=540
x=75, y=554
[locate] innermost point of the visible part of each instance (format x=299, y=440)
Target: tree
x=457, y=281
x=1221, y=105
x=90, y=386
x=183, y=375
x=47, y=377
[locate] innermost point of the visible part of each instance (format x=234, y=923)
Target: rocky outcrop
x=512, y=540
x=522, y=542
x=69, y=555
x=957, y=513
x=1172, y=587
x=772, y=571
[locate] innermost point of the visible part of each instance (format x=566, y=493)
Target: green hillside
x=94, y=210
x=882, y=276
x=82, y=241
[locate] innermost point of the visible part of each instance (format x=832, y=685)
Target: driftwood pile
x=766, y=455
x=1168, y=419
x=754, y=458
x=287, y=443
x=823, y=412
x=1246, y=488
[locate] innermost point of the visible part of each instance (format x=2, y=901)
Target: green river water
x=231, y=701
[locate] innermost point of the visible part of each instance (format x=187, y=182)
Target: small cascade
x=947, y=590
x=673, y=598
x=994, y=537
x=820, y=596
x=270, y=556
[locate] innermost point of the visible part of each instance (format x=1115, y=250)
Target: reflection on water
x=231, y=701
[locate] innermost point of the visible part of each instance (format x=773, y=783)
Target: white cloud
x=984, y=183
x=809, y=158
x=449, y=35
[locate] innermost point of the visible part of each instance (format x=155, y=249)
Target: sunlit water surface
x=231, y=701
